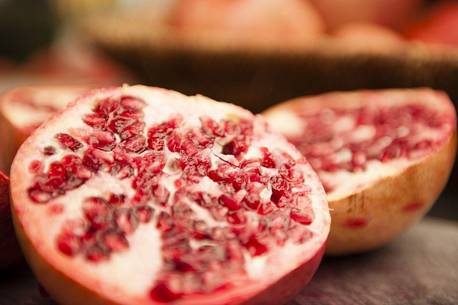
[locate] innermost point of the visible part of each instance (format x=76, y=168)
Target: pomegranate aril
x=95, y=121
x=49, y=150
x=236, y=218
x=96, y=253
x=132, y=103
x=114, y=240
x=144, y=213
x=35, y=167
x=301, y=218
x=68, y=244
x=229, y=202
x=67, y=141
x=255, y=247
x=125, y=220
x=267, y=159
x=102, y=140
x=135, y=144
x=163, y=293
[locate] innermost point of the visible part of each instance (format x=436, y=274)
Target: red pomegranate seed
x=301, y=218
x=35, y=167
x=229, y=202
x=163, y=293
x=67, y=141
x=255, y=247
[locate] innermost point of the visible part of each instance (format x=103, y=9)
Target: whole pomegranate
x=368, y=37
x=439, y=27
x=23, y=109
x=10, y=253
x=252, y=22
x=152, y=197
x=385, y=12
x=383, y=157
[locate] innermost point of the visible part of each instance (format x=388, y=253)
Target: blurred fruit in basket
x=368, y=36
x=439, y=26
x=288, y=21
x=385, y=12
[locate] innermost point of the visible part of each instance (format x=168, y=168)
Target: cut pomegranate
x=10, y=253
x=178, y=220
x=25, y=108
x=383, y=157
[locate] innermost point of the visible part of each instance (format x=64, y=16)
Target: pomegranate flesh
x=23, y=109
x=382, y=156
x=153, y=197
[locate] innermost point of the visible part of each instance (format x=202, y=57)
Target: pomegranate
x=385, y=12
x=25, y=108
x=152, y=197
x=368, y=37
x=10, y=253
x=439, y=27
x=278, y=22
x=382, y=156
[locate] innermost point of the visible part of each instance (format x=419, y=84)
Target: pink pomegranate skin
x=368, y=215
x=85, y=278
x=10, y=253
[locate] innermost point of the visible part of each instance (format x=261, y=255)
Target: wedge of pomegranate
x=10, y=253
x=151, y=197
x=23, y=109
x=383, y=157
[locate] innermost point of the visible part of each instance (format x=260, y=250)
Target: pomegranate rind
x=25, y=108
x=369, y=216
x=70, y=281
x=10, y=254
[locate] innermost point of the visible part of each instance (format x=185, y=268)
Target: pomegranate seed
x=163, y=293
x=115, y=240
x=132, y=103
x=96, y=254
x=95, y=121
x=68, y=244
x=236, y=218
x=35, y=167
x=135, y=144
x=67, y=141
x=49, y=151
x=301, y=218
x=102, y=140
x=144, y=213
x=125, y=220
x=267, y=160
x=229, y=203
x=255, y=247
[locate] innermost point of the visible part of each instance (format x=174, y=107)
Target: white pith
x=21, y=114
x=344, y=183
x=131, y=274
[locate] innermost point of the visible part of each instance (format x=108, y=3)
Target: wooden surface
x=419, y=268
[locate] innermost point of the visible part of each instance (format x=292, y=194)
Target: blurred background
x=251, y=52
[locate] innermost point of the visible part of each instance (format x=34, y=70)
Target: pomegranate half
x=382, y=156
x=23, y=109
x=150, y=197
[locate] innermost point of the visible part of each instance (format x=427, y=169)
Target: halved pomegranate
x=151, y=197
x=10, y=253
x=23, y=109
x=383, y=157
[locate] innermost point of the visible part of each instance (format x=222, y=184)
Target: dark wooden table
x=420, y=268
